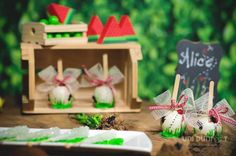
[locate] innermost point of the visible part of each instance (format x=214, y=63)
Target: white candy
x=205, y=126
x=14, y=132
x=173, y=122
x=103, y=94
x=81, y=132
x=60, y=94
x=101, y=137
x=51, y=132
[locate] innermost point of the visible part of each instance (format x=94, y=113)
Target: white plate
x=133, y=141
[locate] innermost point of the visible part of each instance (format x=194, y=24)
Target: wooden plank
x=33, y=40
x=25, y=54
x=81, y=27
x=31, y=74
x=66, y=41
x=66, y=28
x=134, y=80
x=134, y=69
x=90, y=45
x=88, y=109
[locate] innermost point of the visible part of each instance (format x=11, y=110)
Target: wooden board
x=143, y=121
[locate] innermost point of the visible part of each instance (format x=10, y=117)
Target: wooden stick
x=176, y=87
x=105, y=65
x=60, y=69
x=211, y=95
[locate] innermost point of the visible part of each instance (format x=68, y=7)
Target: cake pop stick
x=211, y=95
x=59, y=69
x=105, y=65
x=176, y=87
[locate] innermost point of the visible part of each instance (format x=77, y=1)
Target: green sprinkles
x=39, y=139
x=114, y=141
x=60, y=104
x=210, y=134
x=104, y=105
x=166, y=133
x=74, y=140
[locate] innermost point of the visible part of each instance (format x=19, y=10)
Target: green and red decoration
x=63, y=13
x=127, y=28
x=95, y=28
x=114, y=32
x=111, y=32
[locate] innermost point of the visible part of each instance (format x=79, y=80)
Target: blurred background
x=159, y=25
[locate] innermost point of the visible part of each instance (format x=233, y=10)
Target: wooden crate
x=125, y=56
x=37, y=33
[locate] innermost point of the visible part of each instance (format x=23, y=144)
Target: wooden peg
x=176, y=87
x=211, y=95
x=105, y=65
x=60, y=69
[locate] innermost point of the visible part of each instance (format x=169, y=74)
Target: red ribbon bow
x=95, y=81
x=61, y=82
x=173, y=105
x=218, y=114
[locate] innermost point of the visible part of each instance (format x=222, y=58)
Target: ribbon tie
x=173, y=105
x=95, y=74
x=50, y=78
x=219, y=114
x=62, y=82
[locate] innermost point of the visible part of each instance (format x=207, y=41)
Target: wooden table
x=143, y=121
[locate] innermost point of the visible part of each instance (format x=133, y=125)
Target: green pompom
x=44, y=21
x=53, y=20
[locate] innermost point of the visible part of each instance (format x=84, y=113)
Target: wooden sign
x=198, y=64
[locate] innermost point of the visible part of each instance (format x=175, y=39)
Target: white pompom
x=103, y=94
x=60, y=94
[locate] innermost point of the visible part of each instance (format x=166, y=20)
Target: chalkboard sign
x=198, y=64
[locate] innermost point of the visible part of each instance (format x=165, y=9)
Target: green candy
x=44, y=21
x=58, y=36
x=66, y=35
x=53, y=20
x=78, y=34
x=49, y=36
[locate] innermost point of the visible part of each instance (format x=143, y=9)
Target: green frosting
x=104, y=105
x=167, y=133
x=131, y=38
x=38, y=139
x=61, y=104
x=74, y=140
x=114, y=141
x=93, y=38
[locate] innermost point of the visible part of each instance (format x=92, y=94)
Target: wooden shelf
x=123, y=55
